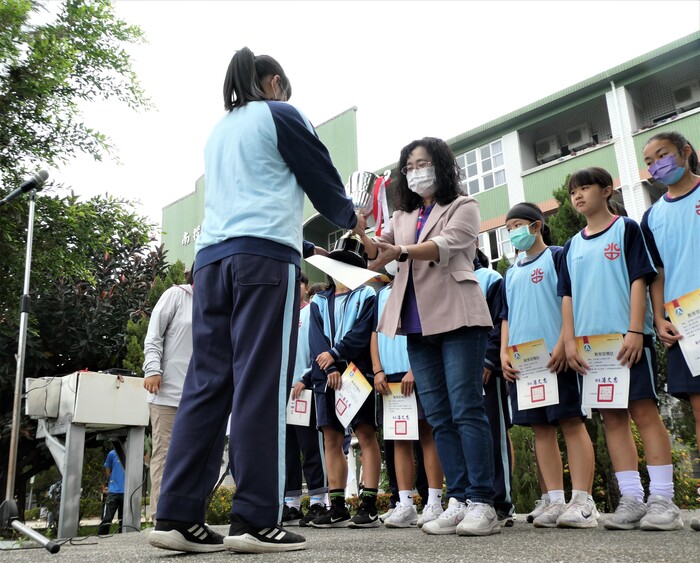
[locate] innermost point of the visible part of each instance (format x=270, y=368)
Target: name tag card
x=537, y=386
x=352, y=394
x=299, y=410
x=607, y=383
x=400, y=415
x=684, y=313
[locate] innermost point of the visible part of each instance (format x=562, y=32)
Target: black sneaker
x=184, y=536
x=291, y=516
x=336, y=517
x=364, y=519
x=505, y=519
x=315, y=510
x=244, y=538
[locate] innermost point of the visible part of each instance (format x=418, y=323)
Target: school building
x=524, y=155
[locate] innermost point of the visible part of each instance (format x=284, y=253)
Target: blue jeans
x=448, y=370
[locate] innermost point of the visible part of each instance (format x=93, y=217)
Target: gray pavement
x=523, y=542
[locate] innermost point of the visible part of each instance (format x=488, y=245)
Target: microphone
x=36, y=182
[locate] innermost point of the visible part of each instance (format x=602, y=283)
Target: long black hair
x=447, y=174
x=680, y=142
x=243, y=82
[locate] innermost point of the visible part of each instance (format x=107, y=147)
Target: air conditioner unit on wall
x=579, y=137
x=547, y=149
x=687, y=95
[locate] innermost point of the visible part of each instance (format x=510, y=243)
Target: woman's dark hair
x=531, y=212
x=243, y=82
x=482, y=258
x=189, y=275
x=446, y=172
x=680, y=142
x=590, y=176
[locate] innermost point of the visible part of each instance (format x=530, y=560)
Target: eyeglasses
x=419, y=165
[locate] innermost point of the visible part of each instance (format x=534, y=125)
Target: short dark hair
x=189, y=275
x=447, y=174
x=315, y=288
x=243, y=82
x=680, y=142
x=304, y=278
x=590, y=176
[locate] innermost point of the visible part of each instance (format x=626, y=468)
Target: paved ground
x=520, y=543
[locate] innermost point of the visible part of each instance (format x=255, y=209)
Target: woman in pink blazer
x=438, y=304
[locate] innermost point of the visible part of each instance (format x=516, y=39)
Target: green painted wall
x=688, y=126
x=493, y=202
x=539, y=185
x=182, y=217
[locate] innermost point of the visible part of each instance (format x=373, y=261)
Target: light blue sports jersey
x=671, y=229
x=598, y=273
x=487, y=277
x=531, y=305
x=392, y=351
x=302, y=364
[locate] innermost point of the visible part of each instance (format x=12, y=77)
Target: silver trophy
x=360, y=188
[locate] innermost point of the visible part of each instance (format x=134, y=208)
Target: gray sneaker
x=540, y=505
x=548, y=518
x=627, y=514
x=447, y=522
x=403, y=516
x=661, y=515
x=579, y=513
x=480, y=519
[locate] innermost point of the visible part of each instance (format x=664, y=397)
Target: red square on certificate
x=537, y=394
x=340, y=407
x=606, y=392
x=300, y=406
x=400, y=427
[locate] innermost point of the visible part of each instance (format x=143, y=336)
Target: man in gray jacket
x=167, y=352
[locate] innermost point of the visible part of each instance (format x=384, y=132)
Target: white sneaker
x=540, y=505
x=579, y=513
x=627, y=514
x=662, y=515
x=447, y=522
x=695, y=523
x=548, y=518
x=480, y=519
x=386, y=515
x=403, y=516
x=430, y=513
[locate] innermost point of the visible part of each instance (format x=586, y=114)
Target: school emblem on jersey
x=537, y=275
x=697, y=207
x=612, y=251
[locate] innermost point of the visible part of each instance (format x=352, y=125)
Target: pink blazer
x=447, y=290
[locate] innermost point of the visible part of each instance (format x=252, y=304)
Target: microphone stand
x=9, y=513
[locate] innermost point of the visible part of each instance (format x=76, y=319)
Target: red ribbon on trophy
x=380, y=206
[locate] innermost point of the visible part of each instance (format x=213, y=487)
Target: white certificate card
x=351, y=396
x=299, y=410
x=400, y=414
x=684, y=313
x=537, y=386
x=607, y=383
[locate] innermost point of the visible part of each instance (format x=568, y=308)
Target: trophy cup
x=360, y=188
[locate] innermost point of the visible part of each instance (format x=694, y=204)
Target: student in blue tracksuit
x=339, y=333
x=532, y=311
x=496, y=392
x=261, y=159
x=603, y=286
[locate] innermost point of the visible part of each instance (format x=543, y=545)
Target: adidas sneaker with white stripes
x=185, y=536
x=244, y=538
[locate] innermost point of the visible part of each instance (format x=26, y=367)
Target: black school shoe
x=291, y=516
x=315, y=510
x=184, y=536
x=336, y=517
x=363, y=519
x=244, y=538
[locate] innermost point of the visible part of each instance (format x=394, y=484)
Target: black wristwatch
x=404, y=254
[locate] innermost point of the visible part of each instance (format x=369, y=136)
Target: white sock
x=630, y=484
x=661, y=480
x=316, y=499
x=581, y=495
x=434, y=496
x=545, y=498
x=326, y=500
x=293, y=502
x=406, y=498
x=554, y=496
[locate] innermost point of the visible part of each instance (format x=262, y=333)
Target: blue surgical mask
x=666, y=170
x=521, y=237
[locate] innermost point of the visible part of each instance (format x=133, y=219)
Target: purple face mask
x=666, y=171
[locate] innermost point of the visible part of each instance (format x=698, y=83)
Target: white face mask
x=422, y=181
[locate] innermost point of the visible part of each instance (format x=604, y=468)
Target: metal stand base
x=9, y=518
